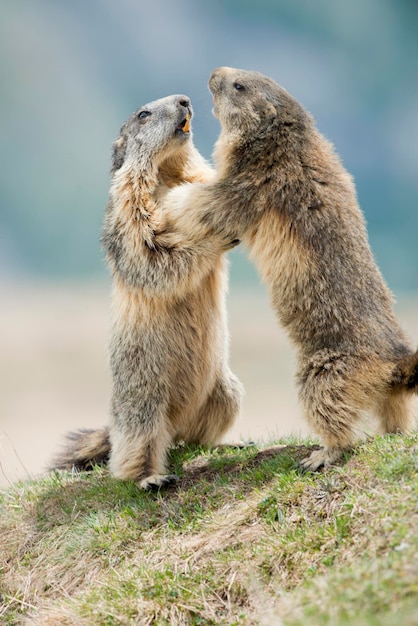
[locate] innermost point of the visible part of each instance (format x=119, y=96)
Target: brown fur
x=169, y=344
x=281, y=188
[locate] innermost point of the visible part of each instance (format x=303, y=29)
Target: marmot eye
x=239, y=87
x=142, y=114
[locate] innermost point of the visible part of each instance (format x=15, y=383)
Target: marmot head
x=248, y=104
x=153, y=133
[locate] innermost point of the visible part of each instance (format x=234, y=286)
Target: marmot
x=281, y=188
x=169, y=340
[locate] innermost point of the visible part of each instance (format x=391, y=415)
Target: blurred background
x=71, y=73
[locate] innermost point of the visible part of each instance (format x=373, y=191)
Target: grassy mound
x=244, y=538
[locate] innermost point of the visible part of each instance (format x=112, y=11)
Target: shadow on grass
x=248, y=466
x=206, y=481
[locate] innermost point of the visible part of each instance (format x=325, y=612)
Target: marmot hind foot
x=321, y=458
x=156, y=482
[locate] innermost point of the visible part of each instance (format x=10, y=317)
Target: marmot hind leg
x=333, y=403
x=140, y=455
x=218, y=413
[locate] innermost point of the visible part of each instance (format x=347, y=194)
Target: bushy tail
x=405, y=373
x=83, y=449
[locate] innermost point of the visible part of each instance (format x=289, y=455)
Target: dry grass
x=245, y=538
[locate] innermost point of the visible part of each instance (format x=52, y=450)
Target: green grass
x=245, y=538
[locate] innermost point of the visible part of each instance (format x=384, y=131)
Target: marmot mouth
x=184, y=125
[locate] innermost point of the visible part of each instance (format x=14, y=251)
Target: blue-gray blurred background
x=71, y=73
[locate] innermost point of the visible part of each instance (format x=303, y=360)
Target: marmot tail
x=83, y=449
x=405, y=373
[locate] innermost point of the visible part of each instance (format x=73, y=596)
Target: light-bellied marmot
x=281, y=188
x=169, y=343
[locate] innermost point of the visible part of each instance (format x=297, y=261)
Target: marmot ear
x=118, y=153
x=267, y=110
x=270, y=111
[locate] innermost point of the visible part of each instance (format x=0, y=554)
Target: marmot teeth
x=185, y=124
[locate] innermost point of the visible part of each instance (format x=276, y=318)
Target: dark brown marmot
x=281, y=188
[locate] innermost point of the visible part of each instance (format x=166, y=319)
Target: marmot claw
x=158, y=481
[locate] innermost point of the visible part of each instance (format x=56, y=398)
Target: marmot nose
x=184, y=101
x=215, y=79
